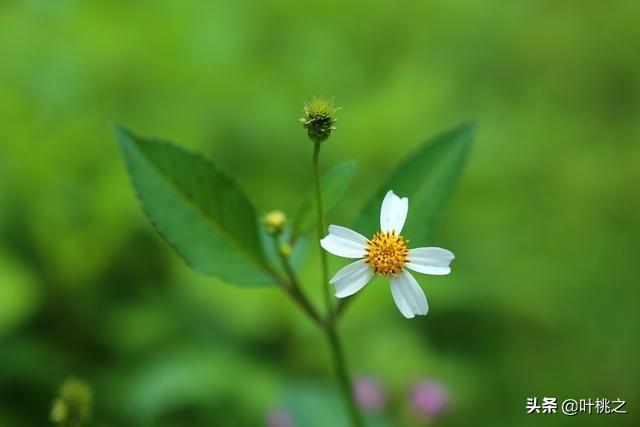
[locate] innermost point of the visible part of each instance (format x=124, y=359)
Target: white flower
x=386, y=253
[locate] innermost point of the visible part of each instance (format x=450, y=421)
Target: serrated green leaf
x=427, y=177
x=197, y=209
x=334, y=183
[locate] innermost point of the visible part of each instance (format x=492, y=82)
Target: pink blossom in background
x=279, y=417
x=369, y=394
x=430, y=398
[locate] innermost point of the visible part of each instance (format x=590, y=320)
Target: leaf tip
x=122, y=134
x=468, y=129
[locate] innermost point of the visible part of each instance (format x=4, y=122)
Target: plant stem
x=295, y=292
x=342, y=306
x=304, y=303
x=293, y=287
x=337, y=354
x=342, y=374
x=321, y=229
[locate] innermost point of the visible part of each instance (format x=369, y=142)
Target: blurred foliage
x=543, y=296
x=72, y=407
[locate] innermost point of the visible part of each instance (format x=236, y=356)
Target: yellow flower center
x=387, y=253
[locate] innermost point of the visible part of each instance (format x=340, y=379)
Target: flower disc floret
x=387, y=253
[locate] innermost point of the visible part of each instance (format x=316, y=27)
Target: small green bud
x=319, y=119
x=275, y=221
x=72, y=407
x=286, y=249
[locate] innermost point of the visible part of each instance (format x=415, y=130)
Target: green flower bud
x=275, y=221
x=286, y=250
x=319, y=119
x=72, y=407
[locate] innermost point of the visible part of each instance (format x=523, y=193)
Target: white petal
x=393, y=212
x=346, y=233
x=408, y=295
x=401, y=303
x=430, y=260
x=344, y=242
x=352, y=278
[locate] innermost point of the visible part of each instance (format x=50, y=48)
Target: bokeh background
x=543, y=299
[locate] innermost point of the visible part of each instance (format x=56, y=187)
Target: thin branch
x=292, y=287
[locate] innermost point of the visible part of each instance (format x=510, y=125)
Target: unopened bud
x=275, y=221
x=286, y=249
x=319, y=119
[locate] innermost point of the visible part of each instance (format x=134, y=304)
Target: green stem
x=321, y=228
x=293, y=286
x=342, y=305
x=337, y=353
x=342, y=374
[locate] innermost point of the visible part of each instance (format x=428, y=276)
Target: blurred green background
x=543, y=299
